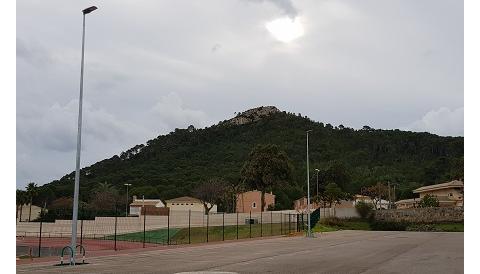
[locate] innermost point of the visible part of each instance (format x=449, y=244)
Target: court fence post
x=281, y=223
x=144, y=224
x=237, y=225
x=115, y=235
x=208, y=215
x=303, y=224
x=296, y=226
x=289, y=223
x=250, y=226
x=261, y=223
x=40, y=238
x=271, y=223
x=81, y=232
x=168, y=228
x=223, y=227
x=189, y=217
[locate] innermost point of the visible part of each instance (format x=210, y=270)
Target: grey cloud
x=285, y=5
x=442, y=121
x=32, y=53
x=172, y=113
x=56, y=128
x=380, y=63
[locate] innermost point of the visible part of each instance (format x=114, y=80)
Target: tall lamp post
x=79, y=144
x=318, y=171
x=309, y=232
x=126, y=205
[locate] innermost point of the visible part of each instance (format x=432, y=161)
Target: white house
x=137, y=204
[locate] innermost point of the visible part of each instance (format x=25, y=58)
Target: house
x=251, y=201
x=300, y=205
x=147, y=207
x=449, y=194
x=186, y=203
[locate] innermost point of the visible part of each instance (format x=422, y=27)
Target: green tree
x=32, y=191
x=429, y=201
x=21, y=200
x=332, y=194
x=337, y=173
x=364, y=209
x=267, y=166
x=105, y=197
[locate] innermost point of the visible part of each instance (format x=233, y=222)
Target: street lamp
x=309, y=232
x=318, y=171
x=79, y=144
x=126, y=205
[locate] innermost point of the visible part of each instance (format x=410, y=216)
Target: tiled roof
x=451, y=184
x=149, y=202
x=416, y=200
x=184, y=199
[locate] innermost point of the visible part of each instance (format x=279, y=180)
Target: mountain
x=171, y=165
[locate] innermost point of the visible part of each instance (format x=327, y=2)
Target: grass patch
x=335, y=224
x=450, y=227
x=199, y=234
x=324, y=228
x=151, y=236
x=24, y=257
x=216, y=233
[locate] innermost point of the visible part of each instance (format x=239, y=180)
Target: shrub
x=429, y=201
x=333, y=221
x=422, y=227
x=364, y=209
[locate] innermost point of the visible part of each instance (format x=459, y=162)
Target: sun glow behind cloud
x=285, y=29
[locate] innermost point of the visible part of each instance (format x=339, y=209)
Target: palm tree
x=104, y=187
x=32, y=191
x=20, y=202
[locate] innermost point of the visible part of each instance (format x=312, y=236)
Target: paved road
x=333, y=252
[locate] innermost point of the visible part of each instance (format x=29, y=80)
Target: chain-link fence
x=118, y=232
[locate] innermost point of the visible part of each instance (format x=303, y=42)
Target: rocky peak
x=253, y=115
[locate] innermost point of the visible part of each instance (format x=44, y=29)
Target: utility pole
x=309, y=232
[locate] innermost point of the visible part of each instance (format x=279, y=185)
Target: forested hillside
x=171, y=165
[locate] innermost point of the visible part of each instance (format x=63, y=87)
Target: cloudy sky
x=152, y=66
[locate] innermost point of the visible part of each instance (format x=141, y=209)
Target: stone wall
x=421, y=215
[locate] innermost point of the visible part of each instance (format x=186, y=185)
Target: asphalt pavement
x=333, y=252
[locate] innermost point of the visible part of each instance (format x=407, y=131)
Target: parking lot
x=333, y=252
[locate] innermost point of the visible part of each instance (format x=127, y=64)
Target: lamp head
x=88, y=10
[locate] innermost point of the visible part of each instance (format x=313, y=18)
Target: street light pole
x=309, y=232
x=126, y=205
x=79, y=144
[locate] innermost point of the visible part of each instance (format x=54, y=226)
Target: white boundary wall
x=178, y=219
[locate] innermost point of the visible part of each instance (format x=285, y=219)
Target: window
x=254, y=205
